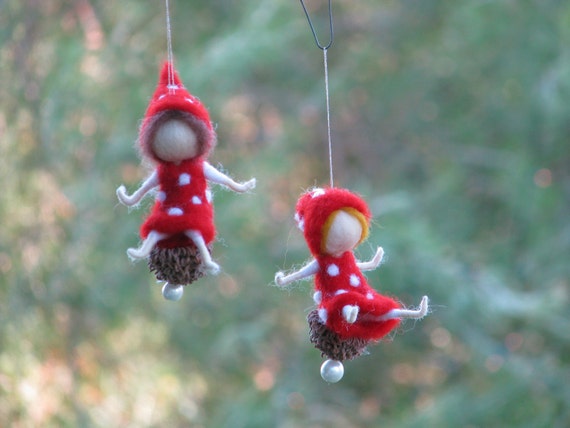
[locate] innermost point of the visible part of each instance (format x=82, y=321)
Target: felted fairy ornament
x=176, y=137
x=349, y=314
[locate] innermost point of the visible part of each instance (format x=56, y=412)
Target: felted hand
x=246, y=186
x=279, y=279
x=135, y=198
x=122, y=195
x=374, y=263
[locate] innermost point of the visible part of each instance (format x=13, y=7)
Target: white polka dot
x=333, y=270
x=196, y=200
x=190, y=100
x=301, y=225
x=339, y=292
x=209, y=195
x=175, y=211
x=184, y=179
x=354, y=280
x=161, y=196
x=369, y=296
x=323, y=315
x=317, y=192
x=318, y=297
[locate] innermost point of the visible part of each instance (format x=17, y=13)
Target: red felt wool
x=350, y=312
x=176, y=136
x=191, y=202
x=173, y=97
x=335, y=281
x=339, y=279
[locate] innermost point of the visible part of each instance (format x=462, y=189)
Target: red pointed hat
x=315, y=207
x=171, y=95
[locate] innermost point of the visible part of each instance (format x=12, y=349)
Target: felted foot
x=330, y=344
x=350, y=313
x=212, y=267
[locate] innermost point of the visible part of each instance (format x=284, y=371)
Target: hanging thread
x=325, y=49
x=169, y=48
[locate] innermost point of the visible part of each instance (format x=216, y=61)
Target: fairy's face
x=175, y=141
x=343, y=232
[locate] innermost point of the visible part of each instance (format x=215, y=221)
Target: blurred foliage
x=452, y=118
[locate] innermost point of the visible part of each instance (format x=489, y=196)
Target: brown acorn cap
x=179, y=265
x=330, y=344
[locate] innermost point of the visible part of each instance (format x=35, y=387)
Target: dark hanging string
x=325, y=48
x=331, y=33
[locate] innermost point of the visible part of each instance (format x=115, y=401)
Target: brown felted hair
x=206, y=137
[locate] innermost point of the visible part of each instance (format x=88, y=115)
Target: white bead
x=196, y=200
x=323, y=316
x=172, y=292
x=332, y=371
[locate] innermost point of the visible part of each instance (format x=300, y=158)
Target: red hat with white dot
x=315, y=207
x=171, y=96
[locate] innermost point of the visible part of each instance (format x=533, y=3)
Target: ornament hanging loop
x=331, y=29
x=325, y=48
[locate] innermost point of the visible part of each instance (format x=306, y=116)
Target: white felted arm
x=374, y=262
x=150, y=183
x=218, y=177
x=309, y=269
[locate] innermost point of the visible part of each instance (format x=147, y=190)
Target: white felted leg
x=146, y=247
x=407, y=313
x=196, y=237
x=350, y=313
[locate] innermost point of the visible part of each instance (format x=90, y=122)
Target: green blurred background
x=450, y=117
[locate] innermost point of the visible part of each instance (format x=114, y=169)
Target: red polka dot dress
x=339, y=281
x=183, y=203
